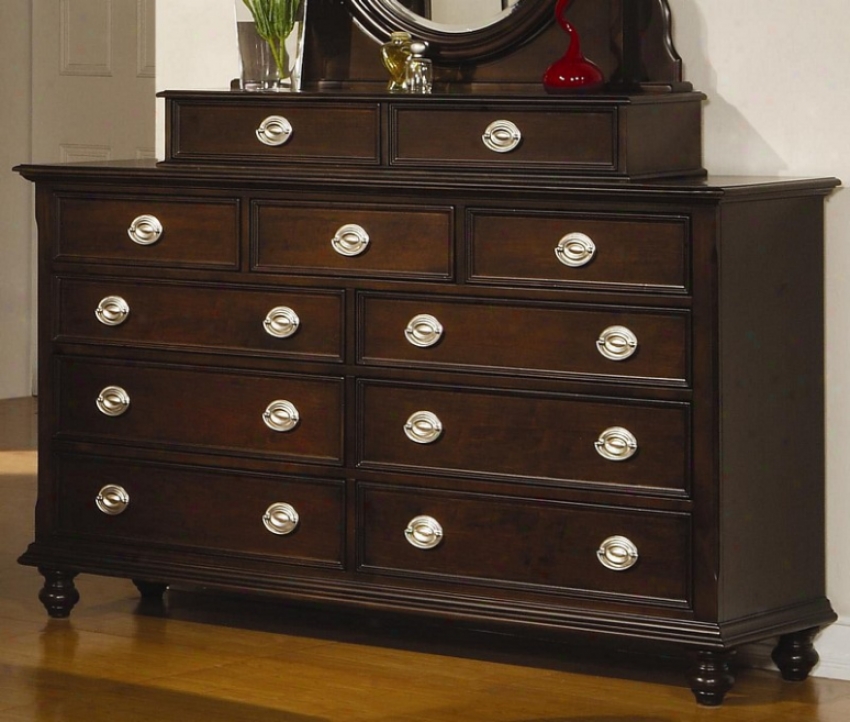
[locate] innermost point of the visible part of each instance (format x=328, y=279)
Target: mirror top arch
x=480, y=37
x=630, y=40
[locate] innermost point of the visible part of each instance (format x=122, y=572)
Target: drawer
x=340, y=240
x=635, y=253
x=616, y=345
x=525, y=543
x=198, y=409
x=282, y=322
x=211, y=511
x=147, y=230
x=550, y=136
x=564, y=440
x=291, y=132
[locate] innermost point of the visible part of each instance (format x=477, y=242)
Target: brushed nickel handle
x=274, y=131
x=617, y=343
x=112, y=311
x=113, y=401
x=281, y=518
x=617, y=553
x=145, y=230
x=575, y=250
x=281, y=416
x=350, y=240
x=423, y=331
x=423, y=427
x=424, y=532
x=281, y=322
x=616, y=444
x=112, y=500
x=502, y=136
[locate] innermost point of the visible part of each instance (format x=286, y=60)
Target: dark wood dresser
x=574, y=386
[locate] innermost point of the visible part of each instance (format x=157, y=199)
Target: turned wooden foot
x=59, y=595
x=711, y=677
x=150, y=590
x=795, y=654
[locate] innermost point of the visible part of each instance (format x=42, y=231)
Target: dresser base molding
x=711, y=646
x=60, y=569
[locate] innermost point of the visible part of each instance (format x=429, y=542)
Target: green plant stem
x=275, y=20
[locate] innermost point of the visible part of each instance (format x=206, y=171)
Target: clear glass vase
x=263, y=67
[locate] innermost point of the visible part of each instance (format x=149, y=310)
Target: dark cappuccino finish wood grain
x=196, y=233
x=205, y=317
x=557, y=339
x=707, y=532
x=532, y=437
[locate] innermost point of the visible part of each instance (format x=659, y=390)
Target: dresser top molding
x=253, y=178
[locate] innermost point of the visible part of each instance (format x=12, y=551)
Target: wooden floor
x=201, y=657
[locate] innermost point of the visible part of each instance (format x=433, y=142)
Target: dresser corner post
x=711, y=676
x=795, y=654
x=58, y=595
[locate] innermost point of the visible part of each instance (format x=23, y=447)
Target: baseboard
x=832, y=644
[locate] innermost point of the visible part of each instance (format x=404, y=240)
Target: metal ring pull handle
x=575, y=250
x=281, y=416
x=281, y=518
x=281, y=322
x=423, y=427
x=113, y=401
x=112, y=311
x=274, y=131
x=112, y=500
x=423, y=331
x=617, y=343
x=350, y=240
x=424, y=532
x=617, y=553
x=616, y=444
x=145, y=230
x=502, y=136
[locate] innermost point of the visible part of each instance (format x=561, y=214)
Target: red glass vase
x=573, y=72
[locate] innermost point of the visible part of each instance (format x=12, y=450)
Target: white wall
x=776, y=73
x=16, y=309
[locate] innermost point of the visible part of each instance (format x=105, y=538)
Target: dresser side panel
x=771, y=370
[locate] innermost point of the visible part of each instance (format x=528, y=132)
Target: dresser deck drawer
x=569, y=139
x=283, y=322
x=524, y=543
x=201, y=409
x=211, y=511
x=579, y=250
x=275, y=132
x=617, y=345
x=393, y=241
x=147, y=230
x=564, y=440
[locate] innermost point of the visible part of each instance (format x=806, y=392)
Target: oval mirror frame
x=508, y=32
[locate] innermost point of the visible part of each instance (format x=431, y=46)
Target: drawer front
x=153, y=231
x=568, y=139
x=335, y=240
x=562, y=440
x=284, y=322
x=199, y=409
x=210, y=511
x=566, y=250
x=319, y=132
x=524, y=543
x=647, y=347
